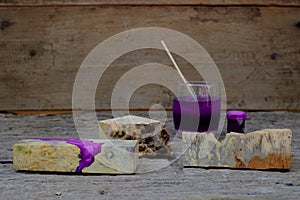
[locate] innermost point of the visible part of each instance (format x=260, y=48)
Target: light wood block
x=73, y=155
x=264, y=149
x=152, y=136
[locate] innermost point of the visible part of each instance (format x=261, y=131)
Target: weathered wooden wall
x=148, y=2
x=254, y=43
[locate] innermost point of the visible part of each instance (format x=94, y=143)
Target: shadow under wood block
x=267, y=149
x=74, y=155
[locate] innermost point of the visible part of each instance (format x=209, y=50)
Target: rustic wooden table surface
x=170, y=182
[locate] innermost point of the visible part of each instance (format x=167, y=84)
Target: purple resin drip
x=88, y=150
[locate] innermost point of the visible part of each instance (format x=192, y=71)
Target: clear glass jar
x=199, y=113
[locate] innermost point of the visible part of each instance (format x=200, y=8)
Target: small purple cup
x=236, y=121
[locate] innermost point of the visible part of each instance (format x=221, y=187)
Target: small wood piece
x=153, y=138
x=264, y=149
x=74, y=155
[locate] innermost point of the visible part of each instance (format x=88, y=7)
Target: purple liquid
x=186, y=113
x=236, y=121
x=234, y=125
x=88, y=150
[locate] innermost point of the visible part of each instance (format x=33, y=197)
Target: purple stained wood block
x=75, y=155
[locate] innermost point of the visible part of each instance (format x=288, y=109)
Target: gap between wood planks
x=45, y=3
x=27, y=112
x=141, y=5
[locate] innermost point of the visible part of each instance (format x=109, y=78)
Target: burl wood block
x=266, y=149
x=74, y=155
x=152, y=136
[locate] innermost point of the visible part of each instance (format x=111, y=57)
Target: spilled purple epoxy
x=88, y=150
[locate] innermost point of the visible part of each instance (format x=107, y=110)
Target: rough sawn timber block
x=152, y=136
x=264, y=149
x=74, y=155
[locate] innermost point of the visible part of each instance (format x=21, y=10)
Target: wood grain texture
x=148, y=2
x=262, y=149
x=257, y=50
x=112, y=157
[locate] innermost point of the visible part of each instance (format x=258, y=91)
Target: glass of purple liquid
x=199, y=114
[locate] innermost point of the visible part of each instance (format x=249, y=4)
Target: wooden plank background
x=254, y=43
x=149, y=2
